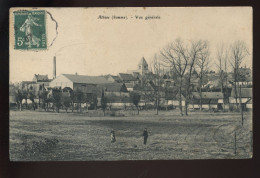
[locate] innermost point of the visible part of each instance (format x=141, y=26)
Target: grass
x=42, y=136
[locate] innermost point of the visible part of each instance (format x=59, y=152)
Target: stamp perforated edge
x=12, y=31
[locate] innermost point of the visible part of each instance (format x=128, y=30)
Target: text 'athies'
x=135, y=17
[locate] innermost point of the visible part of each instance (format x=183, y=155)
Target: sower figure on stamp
x=113, y=136
x=145, y=134
x=27, y=28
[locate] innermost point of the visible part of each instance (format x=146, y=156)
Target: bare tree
x=197, y=49
x=182, y=59
x=176, y=56
x=222, y=55
x=238, y=51
x=147, y=94
x=157, y=69
x=202, y=65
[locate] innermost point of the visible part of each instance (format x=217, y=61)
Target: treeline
x=56, y=99
x=187, y=61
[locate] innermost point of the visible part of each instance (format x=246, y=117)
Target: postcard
x=130, y=83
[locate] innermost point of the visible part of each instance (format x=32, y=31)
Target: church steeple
x=143, y=66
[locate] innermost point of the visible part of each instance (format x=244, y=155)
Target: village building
x=35, y=87
x=127, y=78
x=249, y=104
x=246, y=96
x=209, y=100
x=78, y=82
x=142, y=68
x=113, y=78
x=244, y=77
x=115, y=89
x=83, y=83
x=116, y=93
x=172, y=98
x=130, y=86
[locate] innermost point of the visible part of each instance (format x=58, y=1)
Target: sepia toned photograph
x=130, y=83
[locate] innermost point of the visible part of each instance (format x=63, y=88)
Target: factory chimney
x=54, y=67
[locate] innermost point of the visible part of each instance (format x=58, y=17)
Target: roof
x=213, y=77
x=153, y=86
x=249, y=101
x=173, y=95
x=118, y=99
x=136, y=74
x=67, y=89
x=244, y=70
x=127, y=77
x=150, y=76
x=245, y=92
x=112, y=87
x=143, y=62
x=43, y=78
x=208, y=95
x=27, y=82
x=129, y=85
x=86, y=79
x=116, y=78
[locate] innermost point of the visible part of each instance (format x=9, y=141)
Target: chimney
x=54, y=67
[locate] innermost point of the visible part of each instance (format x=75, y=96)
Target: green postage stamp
x=30, y=30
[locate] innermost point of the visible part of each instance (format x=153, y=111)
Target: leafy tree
x=73, y=99
x=25, y=95
x=44, y=97
x=103, y=102
x=19, y=98
x=79, y=98
x=111, y=98
x=135, y=97
x=91, y=100
x=57, y=99
x=66, y=102
x=95, y=101
x=32, y=97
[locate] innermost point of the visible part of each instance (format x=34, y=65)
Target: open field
x=45, y=136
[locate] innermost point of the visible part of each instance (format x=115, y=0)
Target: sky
x=91, y=46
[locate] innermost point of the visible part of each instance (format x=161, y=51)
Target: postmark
x=30, y=30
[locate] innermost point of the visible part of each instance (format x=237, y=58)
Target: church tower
x=143, y=66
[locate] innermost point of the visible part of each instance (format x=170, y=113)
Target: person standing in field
x=113, y=136
x=145, y=134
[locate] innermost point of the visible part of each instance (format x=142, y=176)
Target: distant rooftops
x=126, y=77
x=40, y=78
x=112, y=87
x=86, y=79
x=208, y=95
x=245, y=92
